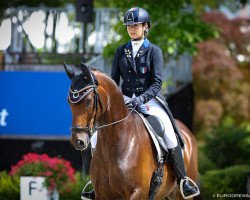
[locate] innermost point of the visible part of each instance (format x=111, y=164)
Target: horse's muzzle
x=80, y=141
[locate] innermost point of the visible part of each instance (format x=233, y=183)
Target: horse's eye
x=88, y=101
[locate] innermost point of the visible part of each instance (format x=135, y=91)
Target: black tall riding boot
x=187, y=187
x=87, y=156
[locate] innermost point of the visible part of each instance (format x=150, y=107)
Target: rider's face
x=136, y=31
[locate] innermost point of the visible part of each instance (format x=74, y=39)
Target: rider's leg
x=86, y=195
x=153, y=107
x=187, y=187
x=188, y=190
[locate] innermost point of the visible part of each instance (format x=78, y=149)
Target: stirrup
x=83, y=191
x=194, y=184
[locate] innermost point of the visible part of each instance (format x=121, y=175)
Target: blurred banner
x=34, y=105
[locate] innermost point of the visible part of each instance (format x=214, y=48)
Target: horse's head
x=83, y=99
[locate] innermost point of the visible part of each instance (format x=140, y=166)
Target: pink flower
x=57, y=171
x=48, y=173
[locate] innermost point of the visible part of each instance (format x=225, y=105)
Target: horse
x=125, y=156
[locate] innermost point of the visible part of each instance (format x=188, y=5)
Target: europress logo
x=3, y=115
x=231, y=195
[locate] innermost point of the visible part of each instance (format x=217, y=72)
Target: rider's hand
x=137, y=101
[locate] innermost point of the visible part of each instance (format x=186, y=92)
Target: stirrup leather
x=181, y=188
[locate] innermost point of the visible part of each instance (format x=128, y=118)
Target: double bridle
x=91, y=129
x=88, y=129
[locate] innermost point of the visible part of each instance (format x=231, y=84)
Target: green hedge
x=205, y=164
x=76, y=189
x=10, y=187
x=228, y=146
x=231, y=180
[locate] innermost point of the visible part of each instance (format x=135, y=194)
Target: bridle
x=88, y=129
x=91, y=129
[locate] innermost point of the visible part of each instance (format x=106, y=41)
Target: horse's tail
x=199, y=184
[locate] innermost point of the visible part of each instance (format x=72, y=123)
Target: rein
x=115, y=122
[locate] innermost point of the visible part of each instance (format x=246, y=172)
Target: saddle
x=158, y=130
x=167, y=110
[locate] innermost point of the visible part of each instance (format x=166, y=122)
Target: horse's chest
x=112, y=180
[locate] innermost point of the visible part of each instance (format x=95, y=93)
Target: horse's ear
x=70, y=71
x=87, y=74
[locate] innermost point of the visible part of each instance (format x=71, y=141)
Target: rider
x=139, y=63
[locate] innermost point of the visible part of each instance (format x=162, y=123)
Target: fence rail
x=51, y=21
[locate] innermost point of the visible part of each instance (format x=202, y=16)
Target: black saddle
x=158, y=130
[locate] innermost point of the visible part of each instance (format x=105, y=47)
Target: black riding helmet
x=136, y=15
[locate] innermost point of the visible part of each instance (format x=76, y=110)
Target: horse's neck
x=114, y=140
x=116, y=109
x=114, y=102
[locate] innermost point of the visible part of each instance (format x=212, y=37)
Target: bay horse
x=125, y=157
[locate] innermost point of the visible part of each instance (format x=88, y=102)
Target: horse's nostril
x=80, y=143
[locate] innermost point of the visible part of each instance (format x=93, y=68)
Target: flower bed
x=58, y=172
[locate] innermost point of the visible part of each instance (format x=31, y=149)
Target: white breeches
x=153, y=107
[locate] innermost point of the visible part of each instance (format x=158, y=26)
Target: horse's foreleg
x=137, y=194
